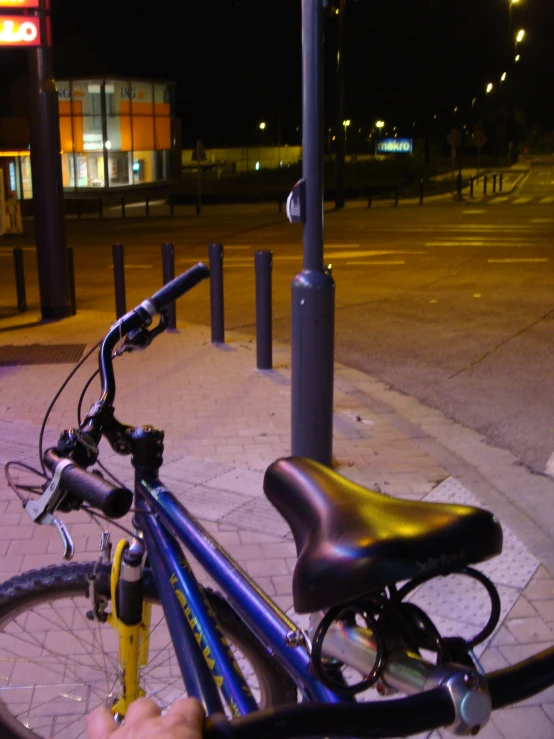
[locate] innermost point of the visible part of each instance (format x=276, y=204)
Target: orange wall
x=71, y=135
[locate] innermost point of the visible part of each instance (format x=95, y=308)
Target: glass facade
x=115, y=133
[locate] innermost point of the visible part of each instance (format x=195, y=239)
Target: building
x=114, y=133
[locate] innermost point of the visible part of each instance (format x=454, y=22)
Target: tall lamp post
x=313, y=289
x=46, y=166
x=340, y=127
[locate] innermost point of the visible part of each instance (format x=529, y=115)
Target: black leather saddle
x=351, y=541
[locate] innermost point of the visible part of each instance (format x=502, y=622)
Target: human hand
x=144, y=721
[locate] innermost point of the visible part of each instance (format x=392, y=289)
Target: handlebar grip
x=179, y=286
x=112, y=500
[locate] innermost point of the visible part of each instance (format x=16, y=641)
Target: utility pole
x=313, y=290
x=340, y=131
x=47, y=176
x=428, y=77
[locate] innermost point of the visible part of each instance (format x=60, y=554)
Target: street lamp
x=503, y=78
x=520, y=36
x=345, y=124
x=489, y=87
x=262, y=126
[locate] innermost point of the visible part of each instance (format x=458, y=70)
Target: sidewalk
x=225, y=422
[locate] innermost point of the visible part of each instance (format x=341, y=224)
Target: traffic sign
x=19, y=30
x=454, y=138
x=479, y=139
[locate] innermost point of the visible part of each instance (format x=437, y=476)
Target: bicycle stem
x=407, y=673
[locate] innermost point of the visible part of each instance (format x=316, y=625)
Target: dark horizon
x=237, y=62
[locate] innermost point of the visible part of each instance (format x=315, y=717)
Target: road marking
x=529, y=259
x=499, y=200
x=341, y=246
x=541, y=220
x=472, y=212
x=544, y=201
x=367, y=264
x=520, y=201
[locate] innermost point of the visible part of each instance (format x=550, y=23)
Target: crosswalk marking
x=520, y=201
x=546, y=200
x=499, y=200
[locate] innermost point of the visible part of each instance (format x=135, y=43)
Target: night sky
x=238, y=62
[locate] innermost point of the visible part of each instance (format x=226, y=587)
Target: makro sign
x=395, y=146
x=19, y=3
x=19, y=30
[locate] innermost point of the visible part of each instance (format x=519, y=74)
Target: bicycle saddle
x=351, y=540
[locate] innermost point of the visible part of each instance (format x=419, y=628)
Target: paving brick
x=524, y=722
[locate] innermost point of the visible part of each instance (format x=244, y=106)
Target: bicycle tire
x=23, y=603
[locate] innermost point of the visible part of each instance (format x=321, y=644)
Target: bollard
x=370, y=199
x=123, y=206
x=459, y=186
x=494, y=182
x=485, y=185
x=119, y=279
x=263, y=262
x=100, y=208
x=147, y=204
x=71, y=278
x=471, y=187
x=168, y=273
x=216, y=293
x=421, y=192
x=395, y=196
x=501, y=182
x=19, y=279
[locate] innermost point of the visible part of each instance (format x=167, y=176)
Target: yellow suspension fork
x=130, y=617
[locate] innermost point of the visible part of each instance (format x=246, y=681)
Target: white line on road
x=499, y=200
x=491, y=244
x=367, y=264
x=541, y=220
x=472, y=212
x=529, y=259
x=544, y=201
x=521, y=201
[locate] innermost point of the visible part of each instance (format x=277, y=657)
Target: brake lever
x=141, y=338
x=41, y=511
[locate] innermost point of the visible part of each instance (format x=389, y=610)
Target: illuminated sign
x=19, y=31
x=19, y=3
x=395, y=146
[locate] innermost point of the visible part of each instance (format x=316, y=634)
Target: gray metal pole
x=118, y=253
x=19, y=279
x=263, y=265
x=216, y=293
x=340, y=130
x=168, y=274
x=47, y=179
x=313, y=291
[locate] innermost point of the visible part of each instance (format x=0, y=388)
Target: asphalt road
x=452, y=302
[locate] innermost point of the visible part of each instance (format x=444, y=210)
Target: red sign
x=19, y=30
x=19, y=3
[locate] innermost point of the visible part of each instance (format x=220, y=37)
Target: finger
x=141, y=710
x=186, y=712
x=100, y=723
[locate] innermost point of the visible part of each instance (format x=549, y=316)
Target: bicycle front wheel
x=56, y=664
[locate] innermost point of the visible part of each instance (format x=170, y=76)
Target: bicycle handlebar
x=179, y=286
x=86, y=487
x=426, y=711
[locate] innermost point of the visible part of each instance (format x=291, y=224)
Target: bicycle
x=140, y=623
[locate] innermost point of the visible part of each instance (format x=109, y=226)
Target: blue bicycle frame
x=202, y=652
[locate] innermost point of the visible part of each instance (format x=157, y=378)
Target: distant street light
x=262, y=126
x=380, y=124
x=517, y=58
x=346, y=123
x=490, y=87
x=520, y=36
x=503, y=78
